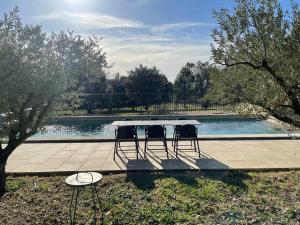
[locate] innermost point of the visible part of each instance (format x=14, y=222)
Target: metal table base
x=79, y=182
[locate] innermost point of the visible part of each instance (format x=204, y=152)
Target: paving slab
x=31, y=158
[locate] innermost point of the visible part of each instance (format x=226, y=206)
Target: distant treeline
x=143, y=86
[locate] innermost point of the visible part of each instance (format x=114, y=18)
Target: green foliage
x=183, y=85
x=231, y=86
x=192, y=81
x=116, y=90
x=261, y=42
x=212, y=197
x=36, y=69
x=15, y=184
x=147, y=86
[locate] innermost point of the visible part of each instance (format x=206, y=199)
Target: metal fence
x=110, y=105
x=138, y=104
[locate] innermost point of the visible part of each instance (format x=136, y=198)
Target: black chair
x=187, y=132
x=176, y=130
x=126, y=133
x=156, y=133
x=133, y=127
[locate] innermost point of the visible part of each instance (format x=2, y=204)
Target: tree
x=184, y=83
x=35, y=71
x=258, y=38
x=116, y=91
x=201, y=72
x=85, y=62
x=192, y=81
x=229, y=87
x=147, y=86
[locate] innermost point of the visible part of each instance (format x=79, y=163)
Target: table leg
x=73, y=205
x=99, y=202
x=95, y=204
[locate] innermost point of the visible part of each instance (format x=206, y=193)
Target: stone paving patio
x=72, y=157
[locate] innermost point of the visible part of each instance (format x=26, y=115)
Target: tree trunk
x=184, y=102
x=4, y=154
x=295, y=103
x=2, y=179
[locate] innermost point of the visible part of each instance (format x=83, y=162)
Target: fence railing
x=138, y=104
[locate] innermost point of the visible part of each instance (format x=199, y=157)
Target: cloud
x=181, y=25
x=169, y=57
x=91, y=21
x=141, y=38
x=147, y=45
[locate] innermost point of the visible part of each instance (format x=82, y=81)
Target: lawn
x=161, y=198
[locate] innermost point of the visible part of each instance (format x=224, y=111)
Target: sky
x=162, y=33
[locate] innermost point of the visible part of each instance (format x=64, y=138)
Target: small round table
x=82, y=180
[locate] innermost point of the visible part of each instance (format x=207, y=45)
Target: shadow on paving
x=208, y=168
x=146, y=180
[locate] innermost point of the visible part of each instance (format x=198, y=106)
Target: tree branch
x=31, y=116
x=264, y=65
x=279, y=80
x=242, y=63
x=22, y=117
x=258, y=30
x=40, y=117
x=287, y=89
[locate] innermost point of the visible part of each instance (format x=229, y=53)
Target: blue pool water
x=209, y=126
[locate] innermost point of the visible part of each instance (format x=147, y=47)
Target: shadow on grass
x=146, y=180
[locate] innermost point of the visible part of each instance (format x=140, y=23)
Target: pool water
x=209, y=126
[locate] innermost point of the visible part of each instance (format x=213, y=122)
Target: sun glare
x=74, y=2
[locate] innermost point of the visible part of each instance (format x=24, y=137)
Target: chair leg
x=195, y=148
x=116, y=149
x=173, y=138
x=176, y=146
x=138, y=144
x=166, y=147
x=198, y=148
x=137, y=149
x=145, y=149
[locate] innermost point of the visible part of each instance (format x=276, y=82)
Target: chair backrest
x=128, y=119
x=155, y=131
x=178, y=127
x=188, y=131
x=126, y=132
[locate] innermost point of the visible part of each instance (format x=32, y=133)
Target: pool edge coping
x=200, y=138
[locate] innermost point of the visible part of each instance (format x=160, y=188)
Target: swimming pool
x=73, y=127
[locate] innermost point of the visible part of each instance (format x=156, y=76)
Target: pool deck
x=64, y=158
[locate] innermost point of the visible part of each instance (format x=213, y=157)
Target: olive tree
x=35, y=71
x=262, y=43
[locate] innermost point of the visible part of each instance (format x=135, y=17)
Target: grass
x=161, y=198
